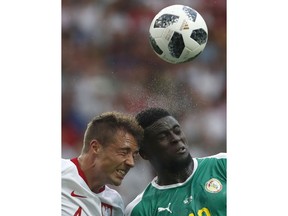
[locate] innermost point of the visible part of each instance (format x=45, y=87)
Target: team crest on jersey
x=106, y=209
x=213, y=186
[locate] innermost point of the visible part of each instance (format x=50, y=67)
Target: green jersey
x=202, y=194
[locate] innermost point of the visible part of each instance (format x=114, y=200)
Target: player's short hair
x=150, y=115
x=104, y=127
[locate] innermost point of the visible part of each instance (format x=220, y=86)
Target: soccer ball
x=178, y=33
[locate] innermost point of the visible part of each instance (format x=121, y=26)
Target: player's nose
x=175, y=138
x=130, y=160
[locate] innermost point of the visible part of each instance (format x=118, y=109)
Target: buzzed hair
x=104, y=127
x=150, y=115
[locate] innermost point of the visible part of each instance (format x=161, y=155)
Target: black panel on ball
x=165, y=20
x=199, y=35
x=154, y=45
x=176, y=45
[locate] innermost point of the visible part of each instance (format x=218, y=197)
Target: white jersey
x=78, y=199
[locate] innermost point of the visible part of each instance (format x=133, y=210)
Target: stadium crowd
x=108, y=64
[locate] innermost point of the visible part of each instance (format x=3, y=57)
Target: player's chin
x=116, y=183
x=117, y=179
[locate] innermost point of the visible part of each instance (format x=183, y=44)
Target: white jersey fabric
x=78, y=199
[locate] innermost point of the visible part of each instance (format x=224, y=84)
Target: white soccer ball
x=178, y=33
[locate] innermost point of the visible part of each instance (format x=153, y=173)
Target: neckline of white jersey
x=83, y=176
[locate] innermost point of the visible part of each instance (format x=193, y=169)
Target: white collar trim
x=161, y=187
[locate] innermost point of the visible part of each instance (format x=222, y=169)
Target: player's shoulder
x=219, y=159
x=213, y=162
x=133, y=204
x=66, y=164
x=221, y=155
x=139, y=204
x=112, y=196
x=112, y=193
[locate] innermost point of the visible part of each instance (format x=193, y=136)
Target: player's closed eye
x=126, y=152
x=123, y=152
x=162, y=136
x=177, y=130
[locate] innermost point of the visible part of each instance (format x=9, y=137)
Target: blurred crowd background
x=108, y=64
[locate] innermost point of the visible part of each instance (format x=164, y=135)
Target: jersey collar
x=154, y=184
x=81, y=173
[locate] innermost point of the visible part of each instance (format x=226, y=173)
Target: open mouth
x=181, y=150
x=121, y=173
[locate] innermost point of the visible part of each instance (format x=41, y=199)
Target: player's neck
x=168, y=177
x=88, y=167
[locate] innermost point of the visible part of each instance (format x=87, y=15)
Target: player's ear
x=95, y=146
